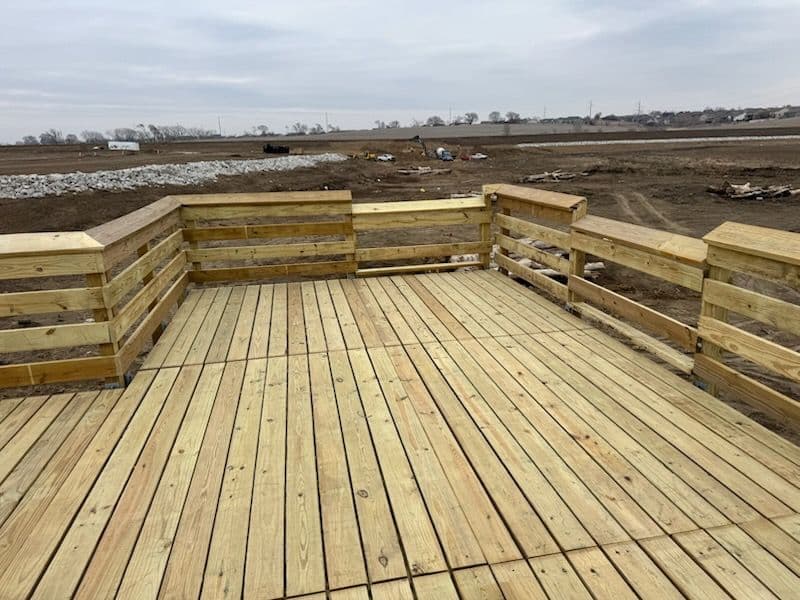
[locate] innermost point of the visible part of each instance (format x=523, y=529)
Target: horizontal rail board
x=779, y=314
x=306, y=197
x=772, y=244
x=137, y=340
x=76, y=369
x=281, y=230
x=261, y=272
x=555, y=200
x=415, y=206
x=652, y=264
x=534, y=210
x=560, y=239
x=421, y=268
x=551, y=286
x=13, y=304
x=684, y=249
x=754, y=265
x=423, y=251
x=776, y=358
x=146, y=296
x=124, y=282
x=540, y=256
x=270, y=251
x=748, y=389
x=221, y=213
x=655, y=347
x=683, y=335
x=50, y=265
x=375, y=222
x=55, y=336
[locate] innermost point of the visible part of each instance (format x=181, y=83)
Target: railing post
x=106, y=314
x=577, y=258
x=719, y=313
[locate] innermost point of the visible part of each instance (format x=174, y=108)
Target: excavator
x=441, y=153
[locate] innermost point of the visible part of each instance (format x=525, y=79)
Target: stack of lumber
x=747, y=191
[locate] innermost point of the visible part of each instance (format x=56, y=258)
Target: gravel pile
x=19, y=187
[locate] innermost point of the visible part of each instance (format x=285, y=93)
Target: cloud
x=97, y=64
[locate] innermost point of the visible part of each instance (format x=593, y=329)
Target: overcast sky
x=98, y=64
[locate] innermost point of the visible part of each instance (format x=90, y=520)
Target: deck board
x=430, y=436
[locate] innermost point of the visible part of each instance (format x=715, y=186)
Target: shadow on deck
x=452, y=434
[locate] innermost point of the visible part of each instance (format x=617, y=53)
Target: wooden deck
x=452, y=434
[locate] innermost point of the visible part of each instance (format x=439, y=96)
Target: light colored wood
x=767, y=268
x=305, y=569
x=559, y=580
x=551, y=286
x=200, y=340
x=220, y=345
x=420, y=251
x=774, y=244
x=344, y=560
x=62, y=243
x=766, y=353
x=540, y=256
x=759, y=561
x=278, y=333
x=238, y=274
x=723, y=567
x=248, y=210
x=421, y=268
x=687, y=575
x=432, y=217
x=434, y=587
x=517, y=581
x=683, y=335
x=477, y=583
x=315, y=335
x=259, y=340
x=243, y=332
x=392, y=590
x=458, y=542
x=416, y=206
x=684, y=249
x=565, y=202
x=776, y=541
x=292, y=197
x=642, y=574
x=354, y=593
x=55, y=336
x=50, y=265
x=334, y=340
x=382, y=552
x=652, y=263
x=144, y=556
x=158, y=353
x=270, y=251
x=779, y=314
x=413, y=523
x=14, y=304
x=655, y=347
x=296, y=320
x=225, y=565
x=125, y=281
x=52, y=371
x=265, y=545
x=263, y=232
x=126, y=485
x=560, y=239
x=41, y=538
x=183, y=562
x=599, y=574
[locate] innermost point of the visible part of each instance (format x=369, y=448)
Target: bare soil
x=662, y=186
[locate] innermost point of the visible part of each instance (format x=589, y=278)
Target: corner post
x=577, y=258
x=719, y=313
x=106, y=314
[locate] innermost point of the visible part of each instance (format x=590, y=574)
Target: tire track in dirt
x=642, y=211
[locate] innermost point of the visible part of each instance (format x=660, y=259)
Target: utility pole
x=326, y=122
x=219, y=125
x=590, y=109
x=544, y=113
x=639, y=108
x=450, y=117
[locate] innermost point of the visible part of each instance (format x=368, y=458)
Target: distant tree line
x=140, y=133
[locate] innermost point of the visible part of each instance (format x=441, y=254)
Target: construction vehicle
x=422, y=143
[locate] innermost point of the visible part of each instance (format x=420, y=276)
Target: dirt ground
x=658, y=185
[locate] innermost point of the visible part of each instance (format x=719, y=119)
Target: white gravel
x=738, y=138
x=19, y=187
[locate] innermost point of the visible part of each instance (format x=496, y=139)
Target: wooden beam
x=14, y=304
x=431, y=218
x=269, y=251
x=273, y=231
x=421, y=251
x=318, y=269
x=777, y=358
x=754, y=265
x=683, y=335
x=640, y=260
x=54, y=336
x=540, y=256
x=779, y=314
x=54, y=371
x=557, y=238
x=551, y=286
x=751, y=391
x=423, y=268
x=637, y=338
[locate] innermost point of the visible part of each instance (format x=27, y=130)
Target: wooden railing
x=406, y=217
x=763, y=254
x=84, y=305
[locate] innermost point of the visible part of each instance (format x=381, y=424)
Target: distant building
x=742, y=117
x=787, y=112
